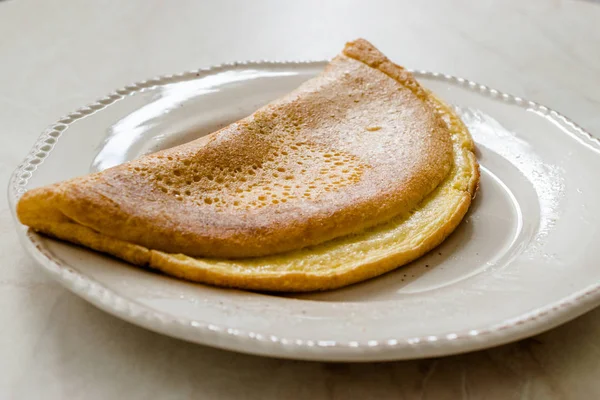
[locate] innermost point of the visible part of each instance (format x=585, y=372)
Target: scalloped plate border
x=265, y=344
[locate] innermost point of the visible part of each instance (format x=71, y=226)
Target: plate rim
x=526, y=324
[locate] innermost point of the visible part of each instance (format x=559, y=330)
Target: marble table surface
x=58, y=55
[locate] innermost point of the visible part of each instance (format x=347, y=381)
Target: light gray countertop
x=58, y=55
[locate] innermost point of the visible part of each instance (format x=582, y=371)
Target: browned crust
x=365, y=52
x=117, y=203
x=189, y=269
x=306, y=281
x=60, y=211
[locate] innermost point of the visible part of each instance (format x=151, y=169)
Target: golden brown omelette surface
x=348, y=149
x=358, y=146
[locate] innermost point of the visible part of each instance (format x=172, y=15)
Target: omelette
x=358, y=171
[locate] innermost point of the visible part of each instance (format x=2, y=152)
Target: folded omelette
x=356, y=172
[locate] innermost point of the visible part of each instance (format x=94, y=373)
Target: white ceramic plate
x=524, y=260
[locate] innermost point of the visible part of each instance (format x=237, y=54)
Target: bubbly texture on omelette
x=293, y=197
